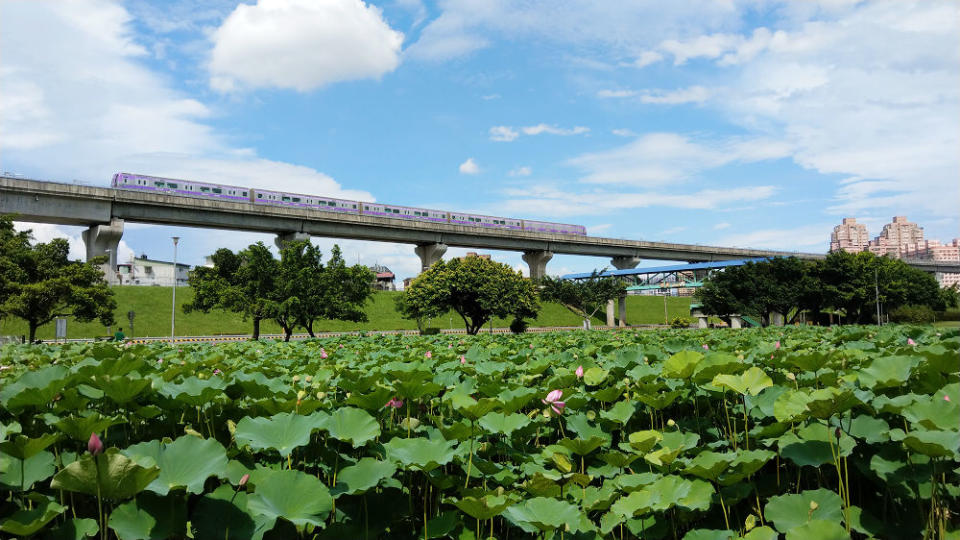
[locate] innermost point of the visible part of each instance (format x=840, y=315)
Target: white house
x=143, y=271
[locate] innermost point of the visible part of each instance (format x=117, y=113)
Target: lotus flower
x=244, y=479
x=946, y=397
x=395, y=403
x=531, y=345
x=449, y=345
x=911, y=341
x=777, y=344
x=463, y=359
x=706, y=347
x=428, y=354
x=553, y=400
x=579, y=372
x=323, y=353
x=94, y=445
x=217, y=371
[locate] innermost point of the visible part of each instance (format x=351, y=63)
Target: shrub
x=431, y=331
x=913, y=314
x=518, y=326
x=680, y=322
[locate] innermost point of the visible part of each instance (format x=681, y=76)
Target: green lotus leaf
x=619, y=460
x=933, y=443
x=184, y=463
x=121, y=389
x=808, y=360
x=746, y=463
x=119, y=477
x=887, y=372
x=581, y=446
x=194, y=391
x=23, y=447
x=7, y=430
x=15, y=472
x=472, y=408
x=710, y=534
x=150, y=517
x=699, y=497
x=865, y=522
x=714, y=364
x=932, y=413
x=621, y=412
x=281, y=432
x=827, y=402
x=25, y=522
x=871, y=429
x=791, y=406
x=34, y=388
x=485, y=507
x=820, y=529
x=419, y=453
x=515, y=399
x=750, y=382
x=506, y=424
x=440, y=526
x=659, y=400
x=74, y=529
x=682, y=364
x=594, y=498
x=643, y=441
x=541, y=486
x=709, y=465
x=811, y=445
x=292, y=495
x=790, y=511
x=761, y=533
x=256, y=385
x=595, y=376
x=939, y=358
x=629, y=483
x=562, y=461
x=362, y=476
x=579, y=424
x=544, y=513
x=79, y=428
x=224, y=514
x=372, y=401
x=351, y=425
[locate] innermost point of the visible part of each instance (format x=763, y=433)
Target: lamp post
x=173, y=307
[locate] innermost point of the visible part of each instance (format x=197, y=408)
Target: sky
x=733, y=123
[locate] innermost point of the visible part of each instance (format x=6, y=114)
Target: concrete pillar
x=104, y=240
x=537, y=260
x=776, y=318
x=623, y=262
x=430, y=254
x=701, y=322
x=736, y=322
x=610, y=320
x=285, y=238
x=622, y=310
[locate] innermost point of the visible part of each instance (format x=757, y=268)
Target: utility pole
x=876, y=295
x=173, y=308
x=665, y=308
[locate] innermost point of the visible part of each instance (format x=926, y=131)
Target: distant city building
x=899, y=239
x=849, y=236
x=143, y=271
x=384, y=280
x=475, y=254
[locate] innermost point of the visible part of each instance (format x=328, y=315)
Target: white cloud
x=673, y=230
x=693, y=94
x=646, y=58
x=503, y=133
x=594, y=230
x=553, y=130
x=302, y=44
x=521, y=171
x=624, y=132
x=469, y=167
x=704, y=46
x=490, y=97
x=606, y=94
x=45, y=232
x=815, y=238
x=660, y=158
x=721, y=226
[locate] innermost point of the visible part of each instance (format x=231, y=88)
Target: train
x=205, y=190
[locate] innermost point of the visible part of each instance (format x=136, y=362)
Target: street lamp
x=173, y=307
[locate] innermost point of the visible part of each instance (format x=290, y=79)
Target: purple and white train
x=189, y=188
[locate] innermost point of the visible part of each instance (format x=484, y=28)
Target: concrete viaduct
x=104, y=210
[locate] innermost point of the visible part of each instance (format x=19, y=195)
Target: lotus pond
x=796, y=433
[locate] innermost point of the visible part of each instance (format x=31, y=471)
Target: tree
x=243, y=282
x=583, y=297
x=781, y=285
x=40, y=283
x=476, y=288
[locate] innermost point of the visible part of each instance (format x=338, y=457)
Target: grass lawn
x=152, y=316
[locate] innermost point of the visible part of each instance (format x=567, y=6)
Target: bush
x=949, y=315
x=518, y=326
x=913, y=314
x=680, y=322
x=431, y=331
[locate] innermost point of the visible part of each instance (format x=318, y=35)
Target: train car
x=185, y=188
x=404, y=212
x=559, y=228
x=316, y=202
x=476, y=220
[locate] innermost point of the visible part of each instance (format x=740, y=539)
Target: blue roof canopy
x=671, y=268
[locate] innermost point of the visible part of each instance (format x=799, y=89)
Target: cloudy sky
x=738, y=123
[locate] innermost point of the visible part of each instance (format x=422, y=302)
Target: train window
x=204, y=189
x=354, y=206
x=244, y=193
x=395, y=211
x=286, y=199
x=217, y=190
x=331, y=203
x=296, y=199
x=171, y=185
x=158, y=184
x=259, y=195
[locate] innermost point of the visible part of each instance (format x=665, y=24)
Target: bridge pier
x=429, y=254
x=104, y=240
x=537, y=261
x=285, y=238
x=621, y=263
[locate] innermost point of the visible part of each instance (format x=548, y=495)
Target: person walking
x=119, y=335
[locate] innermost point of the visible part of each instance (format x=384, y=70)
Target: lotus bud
x=579, y=372
x=94, y=445
x=428, y=354
x=911, y=341
x=946, y=397
x=671, y=423
x=463, y=359
x=814, y=505
x=750, y=522
x=244, y=479
x=321, y=395
x=296, y=378
x=836, y=433
x=301, y=394
x=591, y=415
x=308, y=378
x=791, y=376
x=706, y=347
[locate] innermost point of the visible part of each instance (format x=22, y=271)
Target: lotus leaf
x=595, y=376
x=543, y=513
x=870, y=429
x=281, y=432
x=932, y=413
x=791, y=406
x=827, y=402
x=485, y=507
x=709, y=465
x=643, y=441
x=79, y=428
x=292, y=495
x=184, y=463
x=682, y=364
x=34, y=388
x=150, y=517
x=934, y=443
x=25, y=522
x=710, y=534
x=505, y=424
x=790, y=511
x=74, y=529
x=22, y=447
x=820, y=529
x=887, y=371
x=472, y=408
x=118, y=476
x=224, y=513
x=361, y=476
x=581, y=446
x=750, y=382
x=351, y=425
x=620, y=413
x=419, y=453
x=15, y=472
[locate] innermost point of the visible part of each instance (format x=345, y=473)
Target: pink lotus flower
x=428, y=354
x=911, y=341
x=395, y=403
x=244, y=479
x=946, y=397
x=463, y=359
x=323, y=352
x=217, y=372
x=706, y=347
x=553, y=400
x=94, y=445
x=531, y=345
x=449, y=345
x=579, y=372
x=777, y=344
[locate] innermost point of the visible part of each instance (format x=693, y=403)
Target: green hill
x=152, y=316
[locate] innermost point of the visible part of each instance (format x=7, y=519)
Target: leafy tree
x=781, y=285
x=476, y=288
x=243, y=282
x=40, y=283
x=583, y=297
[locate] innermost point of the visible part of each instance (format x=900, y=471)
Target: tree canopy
x=295, y=290
x=476, y=288
x=39, y=283
x=583, y=297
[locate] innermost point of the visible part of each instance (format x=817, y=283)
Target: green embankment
x=152, y=308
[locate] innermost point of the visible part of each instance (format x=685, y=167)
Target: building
x=849, y=236
x=144, y=271
x=932, y=250
x=384, y=280
x=895, y=237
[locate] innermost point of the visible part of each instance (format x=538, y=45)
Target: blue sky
x=740, y=123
